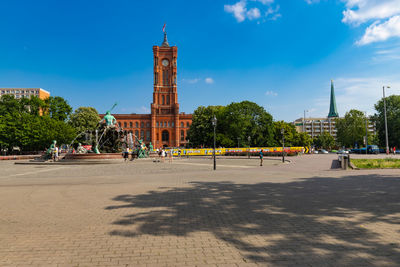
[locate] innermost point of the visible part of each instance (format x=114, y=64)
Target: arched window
x=182, y=125
x=182, y=135
x=156, y=124
x=169, y=124
x=137, y=125
x=165, y=124
x=165, y=136
x=119, y=124
x=141, y=134
x=163, y=100
x=156, y=78
x=167, y=99
x=148, y=135
x=137, y=134
x=172, y=124
x=148, y=124
x=187, y=125
x=141, y=125
x=125, y=125
x=130, y=125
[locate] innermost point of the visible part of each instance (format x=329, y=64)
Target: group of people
x=163, y=153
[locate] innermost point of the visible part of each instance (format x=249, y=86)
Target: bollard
x=345, y=162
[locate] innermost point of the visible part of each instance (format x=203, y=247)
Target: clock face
x=165, y=62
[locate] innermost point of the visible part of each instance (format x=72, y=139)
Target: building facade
x=166, y=126
x=25, y=92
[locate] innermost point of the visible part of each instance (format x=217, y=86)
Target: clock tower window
x=163, y=100
x=167, y=99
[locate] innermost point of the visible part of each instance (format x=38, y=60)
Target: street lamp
x=304, y=121
x=248, y=152
x=214, y=123
x=386, y=129
x=366, y=133
x=283, y=144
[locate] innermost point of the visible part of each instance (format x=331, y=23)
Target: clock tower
x=165, y=107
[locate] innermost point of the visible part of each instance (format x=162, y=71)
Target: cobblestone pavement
x=143, y=213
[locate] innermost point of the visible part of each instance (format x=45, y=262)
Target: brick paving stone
x=185, y=214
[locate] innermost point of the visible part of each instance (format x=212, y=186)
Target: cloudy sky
x=280, y=54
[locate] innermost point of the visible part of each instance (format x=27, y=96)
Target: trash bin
x=345, y=161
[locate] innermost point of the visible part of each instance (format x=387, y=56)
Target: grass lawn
x=376, y=163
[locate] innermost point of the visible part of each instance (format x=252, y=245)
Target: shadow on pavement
x=316, y=220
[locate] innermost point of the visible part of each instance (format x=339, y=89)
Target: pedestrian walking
x=163, y=154
x=261, y=157
x=126, y=154
x=170, y=156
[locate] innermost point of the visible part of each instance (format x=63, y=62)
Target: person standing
x=261, y=157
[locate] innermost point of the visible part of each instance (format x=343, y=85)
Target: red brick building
x=165, y=126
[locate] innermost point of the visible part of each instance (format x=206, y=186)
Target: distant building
x=25, y=92
x=316, y=126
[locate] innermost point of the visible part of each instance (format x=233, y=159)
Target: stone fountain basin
x=92, y=156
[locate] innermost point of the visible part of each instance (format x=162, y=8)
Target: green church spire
x=332, y=109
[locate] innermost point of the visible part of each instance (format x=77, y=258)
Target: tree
x=57, y=108
x=21, y=125
x=201, y=131
x=351, y=128
x=85, y=119
x=393, y=121
x=237, y=121
x=325, y=140
x=247, y=119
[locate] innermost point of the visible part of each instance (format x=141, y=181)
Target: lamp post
x=283, y=144
x=214, y=123
x=238, y=141
x=248, y=152
x=304, y=121
x=366, y=133
x=386, y=129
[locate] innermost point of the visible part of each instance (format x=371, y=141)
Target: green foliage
x=325, y=140
x=351, y=128
x=57, y=108
x=21, y=125
x=85, y=119
x=393, y=120
x=239, y=121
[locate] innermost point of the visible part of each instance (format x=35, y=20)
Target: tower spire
x=165, y=43
x=332, y=109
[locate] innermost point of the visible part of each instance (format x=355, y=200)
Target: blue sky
x=280, y=54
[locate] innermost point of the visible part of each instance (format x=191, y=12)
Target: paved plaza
x=142, y=213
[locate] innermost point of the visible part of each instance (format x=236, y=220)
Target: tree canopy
x=393, y=120
x=21, y=123
x=245, y=123
x=351, y=128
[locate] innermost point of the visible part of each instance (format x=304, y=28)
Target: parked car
x=322, y=151
x=343, y=151
x=371, y=149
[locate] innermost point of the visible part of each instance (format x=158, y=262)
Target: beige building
x=25, y=92
x=315, y=126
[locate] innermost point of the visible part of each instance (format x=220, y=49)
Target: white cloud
x=209, y=80
x=191, y=81
x=384, y=15
x=360, y=11
x=248, y=9
x=312, y=1
x=381, y=31
x=253, y=13
x=271, y=93
x=238, y=10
